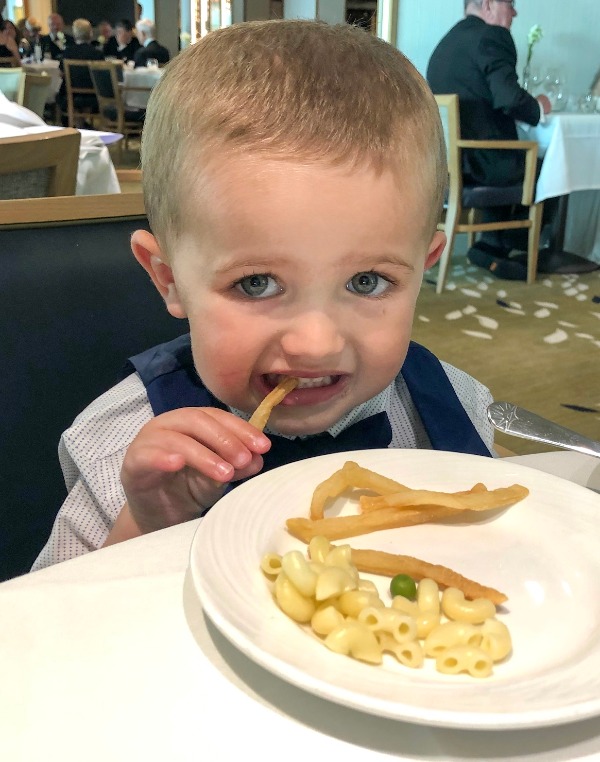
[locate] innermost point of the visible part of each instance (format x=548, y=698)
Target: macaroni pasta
x=326, y=592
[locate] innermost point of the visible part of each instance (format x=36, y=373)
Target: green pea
x=403, y=585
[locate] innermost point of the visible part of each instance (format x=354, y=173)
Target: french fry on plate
x=404, y=509
x=350, y=475
x=390, y=564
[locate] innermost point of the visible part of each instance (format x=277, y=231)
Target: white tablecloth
x=109, y=657
x=570, y=146
x=140, y=77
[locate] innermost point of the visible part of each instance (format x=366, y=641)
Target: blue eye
x=368, y=284
x=258, y=286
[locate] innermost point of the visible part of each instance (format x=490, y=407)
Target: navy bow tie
x=370, y=433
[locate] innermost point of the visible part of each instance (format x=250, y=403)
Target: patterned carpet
x=536, y=346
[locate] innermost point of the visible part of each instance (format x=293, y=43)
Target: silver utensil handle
x=522, y=423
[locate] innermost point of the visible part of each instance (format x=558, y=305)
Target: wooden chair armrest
x=17, y=212
x=133, y=88
x=520, y=145
x=531, y=153
x=129, y=175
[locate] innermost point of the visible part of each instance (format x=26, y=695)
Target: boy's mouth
x=311, y=389
x=304, y=382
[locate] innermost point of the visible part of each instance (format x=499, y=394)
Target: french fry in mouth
x=262, y=413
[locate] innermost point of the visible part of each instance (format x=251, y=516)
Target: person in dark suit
x=150, y=47
x=127, y=43
x=477, y=60
x=56, y=40
x=82, y=50
x=106, y=40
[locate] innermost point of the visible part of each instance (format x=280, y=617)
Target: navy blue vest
x=168, y=373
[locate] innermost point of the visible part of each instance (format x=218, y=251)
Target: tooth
x=307, y=383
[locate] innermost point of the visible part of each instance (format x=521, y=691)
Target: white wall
x=332, y=11
x=571, y=34
x=300, y=9
x=166, y=18
x=147, y=11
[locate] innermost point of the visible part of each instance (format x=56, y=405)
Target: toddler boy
x=294, y=174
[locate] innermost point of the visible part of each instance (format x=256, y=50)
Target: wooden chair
x=12, y=82
x=130, y=180
x=114, y=116
x=76, y=305
x=80, y=93
x=39, y=164
x=35, y=92
x=463, y=203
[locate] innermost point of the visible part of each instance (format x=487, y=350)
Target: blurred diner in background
x=9, y=49
x=127, y=43
x=105, y=38
x=55, y=42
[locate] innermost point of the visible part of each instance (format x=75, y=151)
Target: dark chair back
x=79, y=74
x=75, y=305
x=102, y=81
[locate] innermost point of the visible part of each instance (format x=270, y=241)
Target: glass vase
x=527, y=78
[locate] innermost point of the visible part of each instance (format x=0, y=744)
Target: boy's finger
x=198, y=421
x=156, y=446
x=222, y=435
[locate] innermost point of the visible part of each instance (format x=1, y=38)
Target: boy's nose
x=313, y=336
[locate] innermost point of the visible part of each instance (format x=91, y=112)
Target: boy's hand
x=180, y=462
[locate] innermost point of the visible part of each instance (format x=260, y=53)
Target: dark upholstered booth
x=74, y=304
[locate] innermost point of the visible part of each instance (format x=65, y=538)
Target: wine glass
x=587, y=104
x=535, y=80
x=554, y=87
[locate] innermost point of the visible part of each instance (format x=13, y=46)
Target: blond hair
x=298, y=90
x=82, y=30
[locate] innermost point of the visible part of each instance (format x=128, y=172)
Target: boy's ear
x=436, y=247
x=147, y=251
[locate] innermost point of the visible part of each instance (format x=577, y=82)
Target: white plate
x=544, y=553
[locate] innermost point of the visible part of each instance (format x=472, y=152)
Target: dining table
x=96, y=173
x=110, y=656
x=51, y=68
x=569, y=144
x=138, y=84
